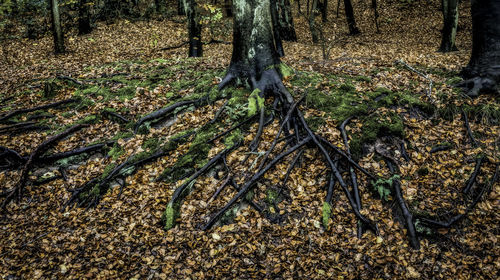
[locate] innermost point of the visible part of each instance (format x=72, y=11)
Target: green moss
x=126, y=93
x=169, y=217
x=123, y=135
x=285, y=70
x=315, y=122
x=347, y=87
x=234, y=137
x=361, y=78
x=255, y=102
x=272, y=196
x=116, y=151
x=90, y=119
x=326, y=213
x=107, y=170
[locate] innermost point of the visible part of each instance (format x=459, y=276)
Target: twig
x=42, y=107
x=469, y=131
x=431, y=83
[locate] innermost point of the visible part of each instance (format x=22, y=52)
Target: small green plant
x=381, y=186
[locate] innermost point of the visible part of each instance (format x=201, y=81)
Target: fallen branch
x=431, y=83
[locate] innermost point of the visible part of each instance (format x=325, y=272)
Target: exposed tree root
x=472, y=179
x=435, y=223
x=41, y=149
x=42, y=107
x=469, y=131
x=163, y=112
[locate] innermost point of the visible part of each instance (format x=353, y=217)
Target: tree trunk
x=286, y=26
x=312, y=22
x=450, y=22
x=228, y=8
x=254, y=60
x=375, y=14
x=483, y=70
x=351, y=21
x=160, y=7
x=194, y=26
x=276, y=28
x=181, y=11
x=84, y=17
x=324, y=10
x=56, y=27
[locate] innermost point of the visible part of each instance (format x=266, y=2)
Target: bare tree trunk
x=450, y=22
x=375, y=14
x=56, y=27
x=84, y=17
x=312, y=22
x=194, y=26
x=181, y=11
x=351, y=21
x=324, y=10
x=285, y=19
x=228, y=8
x=483, y=70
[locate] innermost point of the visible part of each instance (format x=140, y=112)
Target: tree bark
x=160, y=7
x=324, y=11
x=56, y=27
x=312, y=22
x=194, y=26
x=254, y=59
x=286, y=26
x=450, y=22
x=483, y=71
x=84, y=17
x=228, y=8
x=351, y=21
x=181, y=11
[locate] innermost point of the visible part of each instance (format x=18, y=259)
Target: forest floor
x=123, y=70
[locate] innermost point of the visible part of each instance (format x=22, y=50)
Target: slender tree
x=450, y=22
x=56, y=27
x=482, y=74
x=228, y=8
x=160, y=6
x=194, y=27
x=351, y=21
x=313, y=27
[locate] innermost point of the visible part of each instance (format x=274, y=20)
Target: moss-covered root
x=326, y=214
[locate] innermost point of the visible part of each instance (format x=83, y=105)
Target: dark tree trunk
x=375, y=13
x=276, y=28
x=228, y=8
x=450, y=22
x=483, y=70
x=84, y=17
x=351, y=21
x=324, y=10
x=194, y=26
x=285, y=18
x=312, y=22
x=181, y=11
x=160, y=7
x=255, y=59
x=56, y=27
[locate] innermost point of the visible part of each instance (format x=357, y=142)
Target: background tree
x=194, y=28
x=450, y=22
x=482, y=74
x=351, y=21
x=285, y=20
x=84, y=17
x=56, y=27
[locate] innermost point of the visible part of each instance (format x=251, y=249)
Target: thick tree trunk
x=351, y=21
x=450, y=22
x=254, y=60
x=84, y=17
x=56, y=27
x=276, y=28
x=194, y=27
x=286, y=26
x=483, y=70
